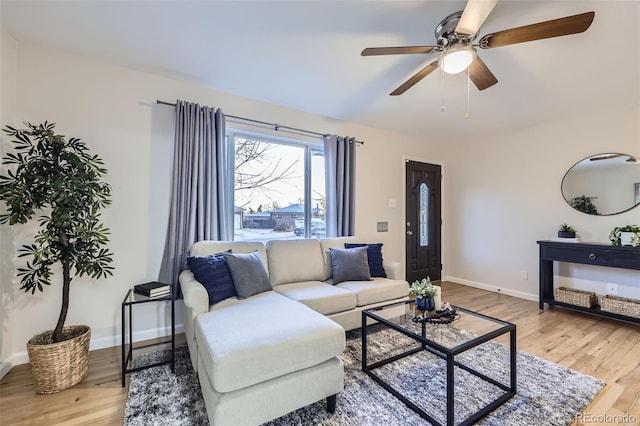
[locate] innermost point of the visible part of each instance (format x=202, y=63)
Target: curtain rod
x=275, y=126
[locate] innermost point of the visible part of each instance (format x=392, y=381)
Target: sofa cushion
x=378, y=290
x=265, y=336
x=327, y=244
x=248, y=272
x=293, y=261
x=204, y=248
x=212, y=272
x=349, y=264
x=319, y=296
x=374, y=256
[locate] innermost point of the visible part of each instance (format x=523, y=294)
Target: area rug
x=548, y=394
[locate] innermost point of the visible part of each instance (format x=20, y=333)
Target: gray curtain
x=198, y=207
x=340, y=174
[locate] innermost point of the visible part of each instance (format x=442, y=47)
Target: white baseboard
x=101, y=343
x=5, y=366
x=483, y=286
x=110, y=341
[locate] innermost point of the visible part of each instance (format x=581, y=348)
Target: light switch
x=392, y=203
x=383, y=226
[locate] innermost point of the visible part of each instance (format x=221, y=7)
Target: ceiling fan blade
x=555, y=28
x=402, y=50
x=416, y=78
x=481, y=75
x=474, y=15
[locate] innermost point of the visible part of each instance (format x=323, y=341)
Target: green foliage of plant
x=58, y=178
x=584, y=203
x=566, y=228
x=615, y=235
x=423, y=288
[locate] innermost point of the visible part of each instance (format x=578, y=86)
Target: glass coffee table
x=407, y=337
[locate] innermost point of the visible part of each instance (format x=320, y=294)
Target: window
x=279, y=188
x=423, y=214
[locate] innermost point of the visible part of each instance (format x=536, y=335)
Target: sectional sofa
x=260, y=357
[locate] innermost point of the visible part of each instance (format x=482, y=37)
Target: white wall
x=8, y=60
x=502, y=191
x=504, y=195
x=114, y=111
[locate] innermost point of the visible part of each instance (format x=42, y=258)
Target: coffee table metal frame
x=447, y=354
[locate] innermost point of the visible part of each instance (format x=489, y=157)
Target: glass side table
x=128, y=302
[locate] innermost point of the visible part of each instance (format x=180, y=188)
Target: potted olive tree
x=57, y=178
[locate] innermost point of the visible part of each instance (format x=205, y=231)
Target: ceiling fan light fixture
x=457, y=59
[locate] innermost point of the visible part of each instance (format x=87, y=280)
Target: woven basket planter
x=59, y=366
x=586, y=299
x=620, y=305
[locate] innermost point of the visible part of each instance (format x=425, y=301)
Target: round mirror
x=603, y=184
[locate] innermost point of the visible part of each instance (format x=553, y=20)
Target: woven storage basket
x=58, y=366
x=620, y=305
x=575, y=297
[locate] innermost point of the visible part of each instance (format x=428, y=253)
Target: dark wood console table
x=588, y=254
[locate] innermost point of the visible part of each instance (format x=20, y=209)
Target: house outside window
x=278, y=187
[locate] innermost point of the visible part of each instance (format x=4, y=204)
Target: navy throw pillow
x=212, y=272
x=374, y=255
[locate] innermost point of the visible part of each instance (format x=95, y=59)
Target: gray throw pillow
x=349, y=265
x=248, y=272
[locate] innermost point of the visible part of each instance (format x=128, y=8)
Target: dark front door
x=423, y=221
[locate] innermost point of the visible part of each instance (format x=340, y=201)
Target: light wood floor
x=603, y=348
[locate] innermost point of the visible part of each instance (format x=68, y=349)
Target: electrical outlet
x=612, y=288
x=524, y=275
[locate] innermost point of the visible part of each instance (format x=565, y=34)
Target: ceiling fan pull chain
x=442, y=106
x=468, y=97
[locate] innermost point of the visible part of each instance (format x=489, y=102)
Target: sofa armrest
x=393, y=270
x=195, y=295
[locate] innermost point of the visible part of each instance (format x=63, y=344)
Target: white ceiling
x=306, y=55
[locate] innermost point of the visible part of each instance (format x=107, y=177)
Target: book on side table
x=152, y=289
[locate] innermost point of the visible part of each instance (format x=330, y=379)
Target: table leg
x=364, y=342
x=546, y=281
x=450, y=391
x=123, y=339
x=513, y=360
x=130, y=326
x=173, y=334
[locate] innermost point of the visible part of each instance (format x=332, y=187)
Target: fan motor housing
x=445, y=31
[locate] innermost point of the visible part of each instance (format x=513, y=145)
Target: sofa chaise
x=260, y=357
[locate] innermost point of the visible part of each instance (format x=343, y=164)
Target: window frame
x=308, y=147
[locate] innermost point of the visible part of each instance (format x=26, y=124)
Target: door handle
x=409, y=233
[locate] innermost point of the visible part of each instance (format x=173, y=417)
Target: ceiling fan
x=455, y=35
